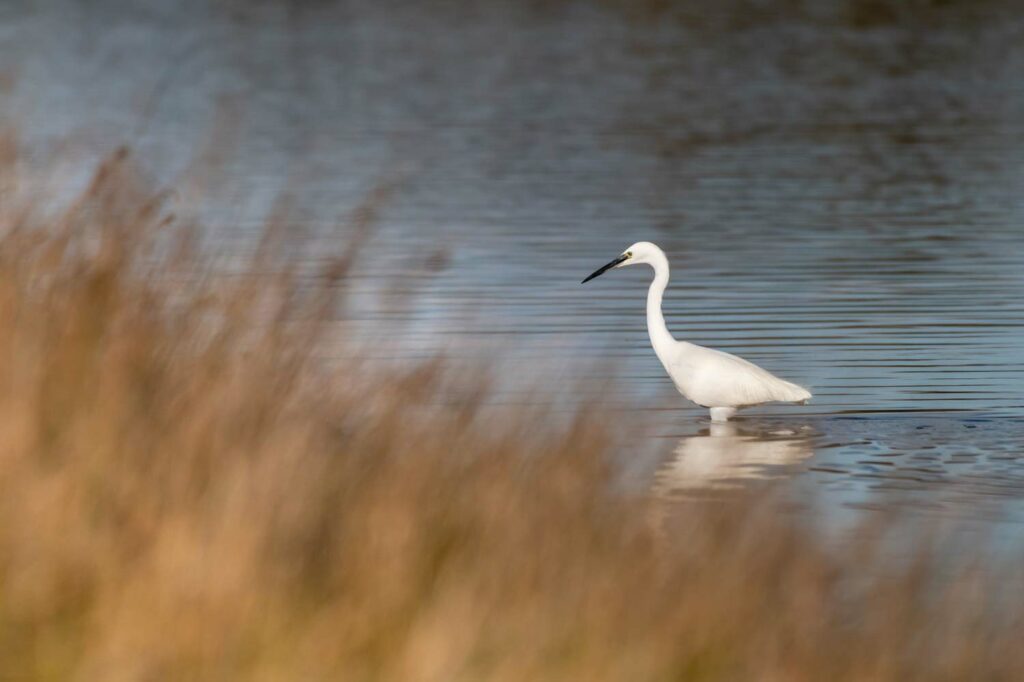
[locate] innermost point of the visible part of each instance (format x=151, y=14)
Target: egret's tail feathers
x=791, y=393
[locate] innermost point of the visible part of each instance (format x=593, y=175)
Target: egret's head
x=641, y=252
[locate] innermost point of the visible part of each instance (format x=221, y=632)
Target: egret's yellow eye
x=629, y=254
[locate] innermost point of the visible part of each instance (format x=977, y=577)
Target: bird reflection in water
x=725, y=456
x=730, y=454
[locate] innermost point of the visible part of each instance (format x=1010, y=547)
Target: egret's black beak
x=601, y=270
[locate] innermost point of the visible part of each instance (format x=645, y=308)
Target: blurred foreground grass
x=187, y=493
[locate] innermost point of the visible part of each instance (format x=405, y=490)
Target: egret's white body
x=711, y=378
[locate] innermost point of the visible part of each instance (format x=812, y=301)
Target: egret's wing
x=737, y=382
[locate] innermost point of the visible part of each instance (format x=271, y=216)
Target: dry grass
x=187, y=493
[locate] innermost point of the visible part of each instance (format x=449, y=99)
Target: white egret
x=711, y=378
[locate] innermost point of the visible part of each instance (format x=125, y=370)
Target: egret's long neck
x=661, y=338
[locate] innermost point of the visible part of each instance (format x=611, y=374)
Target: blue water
x=841, y=202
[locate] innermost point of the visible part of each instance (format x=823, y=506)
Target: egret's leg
x=722, y=414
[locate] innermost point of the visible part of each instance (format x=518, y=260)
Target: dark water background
x=839, y=187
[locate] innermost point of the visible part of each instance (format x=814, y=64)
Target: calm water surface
x=841, y=199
